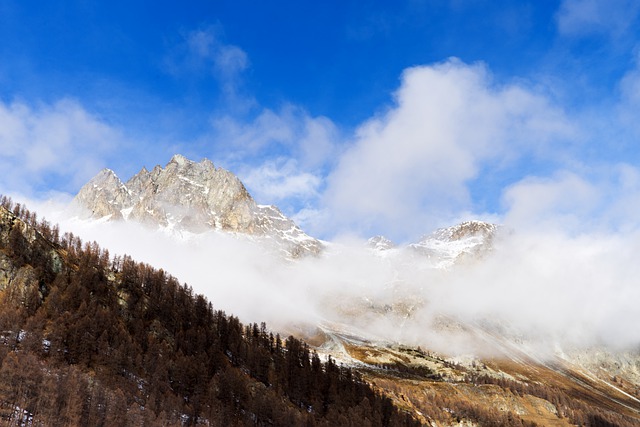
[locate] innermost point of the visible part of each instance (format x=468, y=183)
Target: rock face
x=21, y=245
x=194, y=197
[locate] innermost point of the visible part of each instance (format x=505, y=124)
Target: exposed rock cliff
x=191, y=196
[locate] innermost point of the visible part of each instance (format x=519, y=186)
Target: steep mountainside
x=512, y=388
x=194, y=197
x=89, y=340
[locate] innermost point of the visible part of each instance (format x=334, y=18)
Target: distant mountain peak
x=451, y=245
x=191, y=196
x=380, y=243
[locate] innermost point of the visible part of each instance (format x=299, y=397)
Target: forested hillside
x=90, y=339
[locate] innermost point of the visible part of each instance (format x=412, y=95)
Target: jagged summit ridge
x=190, y=196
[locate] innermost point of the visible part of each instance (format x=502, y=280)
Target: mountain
x=89, y=340
x=86, y=339
x=194, y=197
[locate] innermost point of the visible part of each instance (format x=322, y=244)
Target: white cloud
x=204, y=50
x=598, y=200
x=629, y=101
x=630, y=87
x=281, y=156
x=411, y=165
x=549, y=286
x=281, y=179
x=61, y=142
x=584, y=17
x=267, y=128
x=558, y=203
x=311, y=141
x=203, y=53
x=230, y=60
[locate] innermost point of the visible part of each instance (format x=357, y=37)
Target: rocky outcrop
x=194, y=197
x=22, y=251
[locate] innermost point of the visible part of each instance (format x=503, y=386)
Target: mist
x=547, y=290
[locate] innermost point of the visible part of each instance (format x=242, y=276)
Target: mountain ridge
x=89, y=340
x=191, y=196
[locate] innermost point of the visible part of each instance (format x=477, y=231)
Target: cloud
x=203, y=53
x=61, y=142
x=552, y=287
x=205, y=48
x=585, y=17
x=282, y=156
x=542, y=287
x=410, y=166
x=559, y=202
x=267, y=129
x=600, y=200
x=290, y=130
x=625, y=113
x=281, y=179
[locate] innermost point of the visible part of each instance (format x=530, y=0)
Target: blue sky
x=358, y=117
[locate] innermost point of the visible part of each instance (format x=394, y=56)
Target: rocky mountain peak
x=103, y=195
x=180, y=160
x=190, y=196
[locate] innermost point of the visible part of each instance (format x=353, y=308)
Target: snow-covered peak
x=443, y=248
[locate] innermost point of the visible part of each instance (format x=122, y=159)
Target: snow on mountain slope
x=187, y=196
x=451, y=245
x=445, y=247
